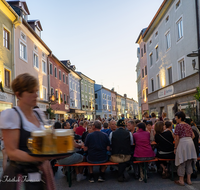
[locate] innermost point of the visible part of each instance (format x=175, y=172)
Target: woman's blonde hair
x=24, y=83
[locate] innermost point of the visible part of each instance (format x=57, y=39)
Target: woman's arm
x=176, y=143
x=11, y=142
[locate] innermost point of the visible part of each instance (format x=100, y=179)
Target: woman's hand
x=174, y=151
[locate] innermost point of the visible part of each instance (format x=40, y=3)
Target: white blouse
x=10, y=120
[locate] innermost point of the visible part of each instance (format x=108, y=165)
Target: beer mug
x=49, y=142
x=61, y=140
x=35, y=143
x=70, y=140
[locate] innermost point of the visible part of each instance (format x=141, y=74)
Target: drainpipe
x=198, y=43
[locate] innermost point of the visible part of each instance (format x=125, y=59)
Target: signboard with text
x=166, y=92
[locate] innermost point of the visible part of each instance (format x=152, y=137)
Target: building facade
x=103, y=102
x=74, y=91
x=143, y=71
x=171, y=35
x=8, y=21
x=114, y=103
x=59, y=88
x=138, y=81
x=87, y=96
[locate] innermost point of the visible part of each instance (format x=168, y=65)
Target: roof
x=60, y=63
x=141, y=34
x=24, y=4
x=156, y=19
x=36, y=36
x=36, y=22
x=67, y=63
x=85, y=76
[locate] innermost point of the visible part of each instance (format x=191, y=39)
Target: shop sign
x=3, y=97
x=66, y=107
x=166, y=92
x=43, y=107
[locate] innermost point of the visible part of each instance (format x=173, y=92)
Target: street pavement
x=154, y=182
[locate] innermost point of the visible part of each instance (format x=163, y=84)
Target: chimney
x=125, y=95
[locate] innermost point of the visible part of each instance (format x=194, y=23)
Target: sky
x=97, y=36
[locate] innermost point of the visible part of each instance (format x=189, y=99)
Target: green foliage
x=50, y=111
x=197, y=94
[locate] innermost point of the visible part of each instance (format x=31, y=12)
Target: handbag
x=166, y=139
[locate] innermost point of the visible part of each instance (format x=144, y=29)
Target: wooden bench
x=69, y=179
x=145, y=166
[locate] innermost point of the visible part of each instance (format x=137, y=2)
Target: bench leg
x=145, y=172
x=69, y=178
x=172, y=170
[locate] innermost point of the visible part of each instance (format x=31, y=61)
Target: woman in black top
x=165, y=146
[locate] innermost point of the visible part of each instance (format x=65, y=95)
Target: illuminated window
x=7, y=78
x=6, y=38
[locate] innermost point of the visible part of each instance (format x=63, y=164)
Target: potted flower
x=93, y=108
x=86, y=106
x=83, y=106
x=61, y=100
x=56, y=99
x=65, y=102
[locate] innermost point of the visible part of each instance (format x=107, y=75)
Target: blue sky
x=97, y=36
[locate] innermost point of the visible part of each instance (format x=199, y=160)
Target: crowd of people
x=121, y=141
x=126, y=140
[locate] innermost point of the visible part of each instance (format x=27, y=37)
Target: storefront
x=6, y=101
x=76, y=113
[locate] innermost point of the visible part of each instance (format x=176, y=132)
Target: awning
x=59, y=112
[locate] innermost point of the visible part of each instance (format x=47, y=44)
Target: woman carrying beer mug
x=17, y=124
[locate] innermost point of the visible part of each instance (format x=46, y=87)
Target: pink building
x=31, y=53
x=143, y=70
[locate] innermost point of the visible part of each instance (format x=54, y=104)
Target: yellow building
x=8, y=21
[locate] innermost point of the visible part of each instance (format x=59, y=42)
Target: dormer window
x=178, y=4
x=35, y=48
x=23, y=36
x=167, y=19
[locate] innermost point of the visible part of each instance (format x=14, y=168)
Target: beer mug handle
x=30, y=144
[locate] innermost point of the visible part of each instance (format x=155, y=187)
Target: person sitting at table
x=149, y=125
x=80, y=130
x=165, y=146
x=97, y=144
x=143, y=150
x=121, y=141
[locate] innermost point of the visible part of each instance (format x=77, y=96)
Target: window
x=151, y=59
x=89, y=89
x=168, y=40
x=96, y=96
x=56, y=94
x=144, y=48
x=6, y=38
x=85, y=88
x=59, y=74
x=68, y=99
x=142, y=73
x=156, y=52
x=7, y=78
x=51, y=69
x=145, y=69
x=152, y=85
x=44, y=93
x=156, y=34
x=169, y=71
x=150, y=42
x=178, y=4
x=179, y=29
x=167, y=19
x=43, y=55
x=146, y=92
x=44, y=67
x=63, y=77
x=141, y=52
x=181, y=69
x=35, y=60
x=35, y=48
x=158, y=81
x=71, y=84
x=105, y=96
x=52, y=91
x=55, y=71
x=143, y=95
x=23, y=36
x=66, y=79
x=23, y=51
x=96, y=107
x=64, y=98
